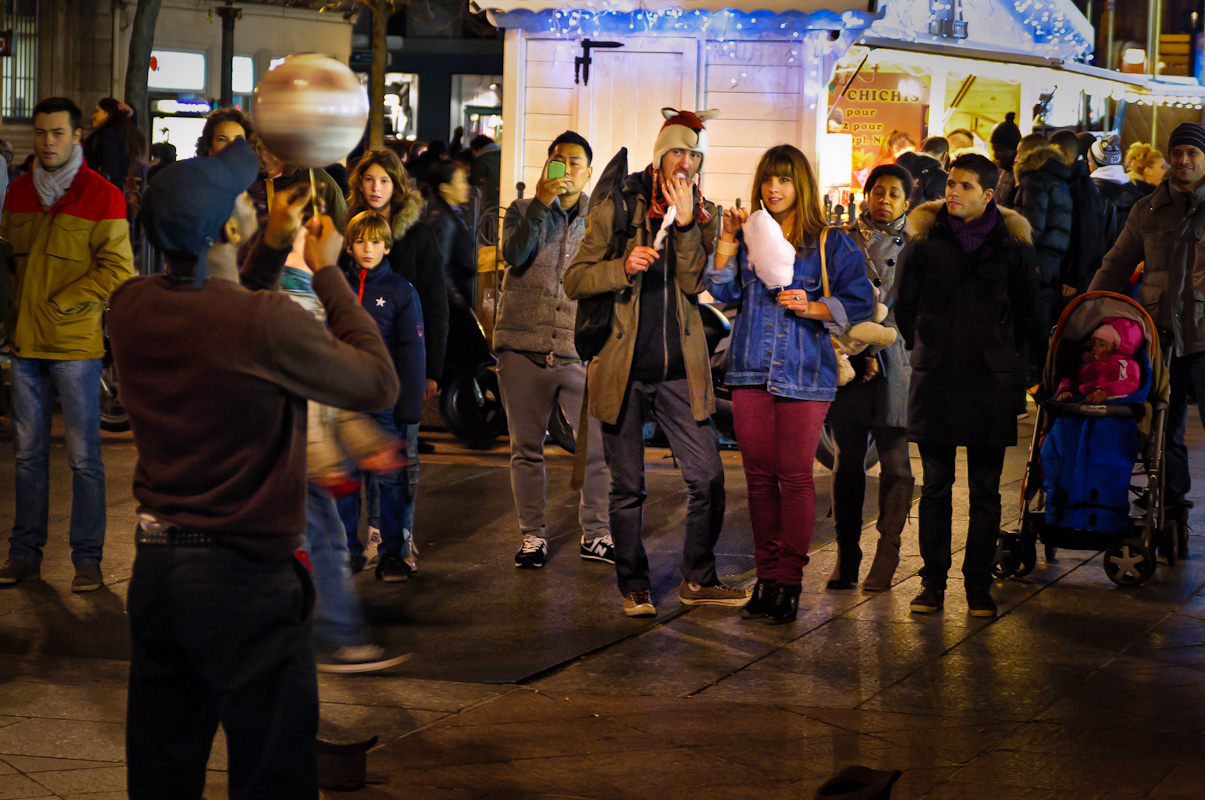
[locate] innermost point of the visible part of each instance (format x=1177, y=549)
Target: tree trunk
x=376, y=77
x=142, y=39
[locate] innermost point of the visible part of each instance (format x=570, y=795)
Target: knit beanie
x=683, y=130
x=1006, y=134
x=1187, y=133
x=1105, y=152
x=1107, y=333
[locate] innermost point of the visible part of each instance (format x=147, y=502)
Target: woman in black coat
x=114, y=144
x=449, y=191
x=1044, y=199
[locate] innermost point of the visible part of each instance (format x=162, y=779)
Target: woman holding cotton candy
x=782, y=368
x=875, y=402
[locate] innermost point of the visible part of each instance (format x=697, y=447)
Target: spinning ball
x=310, y=111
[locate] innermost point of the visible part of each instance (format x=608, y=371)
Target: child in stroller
x=1088, y=456
x=1109, y=370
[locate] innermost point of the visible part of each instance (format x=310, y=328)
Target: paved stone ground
x=1079, y=690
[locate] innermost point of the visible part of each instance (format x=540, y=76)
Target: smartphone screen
x=556, y=169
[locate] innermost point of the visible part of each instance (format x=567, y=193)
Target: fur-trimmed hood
x=1037, y=158
x=924, y=216
x=410, y=213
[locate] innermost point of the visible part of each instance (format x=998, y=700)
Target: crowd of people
x=275, y=374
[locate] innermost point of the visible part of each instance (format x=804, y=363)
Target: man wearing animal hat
x=655, y=356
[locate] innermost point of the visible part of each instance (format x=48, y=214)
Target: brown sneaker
x=929, y=601
x=638, y=604
x=980, y=603
x=87, y=578
x=694, y=594
x=14, y=571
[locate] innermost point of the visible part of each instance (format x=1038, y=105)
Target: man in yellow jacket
x=71, y=248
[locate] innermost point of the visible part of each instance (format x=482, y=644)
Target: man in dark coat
x=1163, y=232
x=1042, y=197
x=967, y=287
x=928, y=170
x=1118, y=192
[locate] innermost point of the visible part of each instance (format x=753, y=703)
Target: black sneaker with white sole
x=601, y=549
x=532, y=554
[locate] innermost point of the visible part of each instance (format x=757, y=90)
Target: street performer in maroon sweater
x=215, y=377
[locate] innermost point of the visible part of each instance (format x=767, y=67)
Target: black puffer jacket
x=1120, y=193
x=1042, y=197
x=928, y=176
x=962, y=315
x=1091, y=223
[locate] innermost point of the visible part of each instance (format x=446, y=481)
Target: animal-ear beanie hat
x=683, y=130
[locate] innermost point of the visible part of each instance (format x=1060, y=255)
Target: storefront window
x=243, y=81
x=177, y=70
x=477, y=105
x=20, y=69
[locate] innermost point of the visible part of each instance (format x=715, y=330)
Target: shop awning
x=1022, y=68
x=833, y=7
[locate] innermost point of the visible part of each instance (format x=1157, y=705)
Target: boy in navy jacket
x=393, y=303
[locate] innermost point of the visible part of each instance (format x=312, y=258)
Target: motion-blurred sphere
x=310, y=111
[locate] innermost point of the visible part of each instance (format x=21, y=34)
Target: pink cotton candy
x=770, y=254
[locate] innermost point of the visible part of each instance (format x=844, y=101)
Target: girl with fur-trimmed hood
x=380, y=183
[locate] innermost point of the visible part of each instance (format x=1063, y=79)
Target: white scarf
x=52, y=186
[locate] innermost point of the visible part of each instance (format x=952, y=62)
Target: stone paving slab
x=1079, y=690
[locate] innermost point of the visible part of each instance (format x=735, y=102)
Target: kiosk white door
x=621, y=106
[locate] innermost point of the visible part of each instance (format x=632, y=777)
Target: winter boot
x=845, y=571
x=762, y=600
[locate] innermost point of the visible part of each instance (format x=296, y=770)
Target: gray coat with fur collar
x=961, y=315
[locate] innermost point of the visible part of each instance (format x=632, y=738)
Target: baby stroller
x=1078, y=491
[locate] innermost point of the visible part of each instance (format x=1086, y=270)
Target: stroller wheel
x=1129, y=563
x=1007, y=555
x=1027, y=550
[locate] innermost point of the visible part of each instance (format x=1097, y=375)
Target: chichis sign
x=873, y=107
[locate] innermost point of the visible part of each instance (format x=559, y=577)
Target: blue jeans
x=1185, y=370
x=338, y=618
x=397, y=491
x=36, y=381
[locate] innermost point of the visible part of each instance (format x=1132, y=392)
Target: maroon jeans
x=778, y=438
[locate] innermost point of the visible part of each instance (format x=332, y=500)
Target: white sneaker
x=374, y=543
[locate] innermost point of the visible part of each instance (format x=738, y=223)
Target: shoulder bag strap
x=823, y=260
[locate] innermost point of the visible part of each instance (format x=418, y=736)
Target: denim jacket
x=792, y=356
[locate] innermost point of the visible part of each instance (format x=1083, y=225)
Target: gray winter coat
x=1163, y=230
x=538, y=243
x=882, y=251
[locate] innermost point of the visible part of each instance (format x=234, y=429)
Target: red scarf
x=658, y=205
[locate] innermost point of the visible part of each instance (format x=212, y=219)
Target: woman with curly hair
x=114, y=144
x=223, y=126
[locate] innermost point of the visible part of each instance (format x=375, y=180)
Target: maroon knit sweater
x=215, y=382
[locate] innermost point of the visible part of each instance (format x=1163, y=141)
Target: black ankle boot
x=785, y=606
x=845, y=571
x=759, y=604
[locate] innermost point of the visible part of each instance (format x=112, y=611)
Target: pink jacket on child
x=1117, y=373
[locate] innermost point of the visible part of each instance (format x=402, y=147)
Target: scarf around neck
x=971, y=235
x=51, y=186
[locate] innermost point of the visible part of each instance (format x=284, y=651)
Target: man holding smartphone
x=538, y=366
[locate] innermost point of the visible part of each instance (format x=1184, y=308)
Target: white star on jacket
x=380, y=302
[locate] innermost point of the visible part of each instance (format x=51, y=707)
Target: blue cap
x=188, y=202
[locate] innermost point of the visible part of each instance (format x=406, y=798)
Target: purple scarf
x=970, y=235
